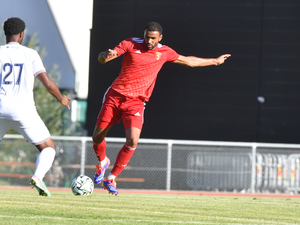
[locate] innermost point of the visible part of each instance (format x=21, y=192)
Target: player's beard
x=151, y=47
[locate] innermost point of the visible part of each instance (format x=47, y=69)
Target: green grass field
x=26, y=207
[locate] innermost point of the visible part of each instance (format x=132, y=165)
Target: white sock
x=103, y=162
x=111, y=177
x=44, y=162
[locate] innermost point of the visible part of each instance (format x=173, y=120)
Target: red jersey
x=140, y=67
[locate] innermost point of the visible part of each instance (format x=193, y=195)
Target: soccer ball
x=82, y=185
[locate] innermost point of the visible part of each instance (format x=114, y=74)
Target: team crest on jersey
x=158, y=55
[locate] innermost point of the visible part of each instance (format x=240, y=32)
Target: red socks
x=123, y=159
x=100, y=150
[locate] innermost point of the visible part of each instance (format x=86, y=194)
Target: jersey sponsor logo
x=158, y=55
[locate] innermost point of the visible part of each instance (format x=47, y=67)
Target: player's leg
x=34, y=131
x=44, y=163
x=99, y=146
x=123, y=158
x=125, y=154
x=109, y=115
x=99, y=142
x=45, y=158
x=133, y=122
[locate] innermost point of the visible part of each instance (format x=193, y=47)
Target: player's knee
x=97, y=138
x=47, y=144
x=133, y=142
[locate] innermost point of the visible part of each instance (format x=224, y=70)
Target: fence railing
x=163, y=164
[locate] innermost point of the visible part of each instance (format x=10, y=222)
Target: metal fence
x=163, y=164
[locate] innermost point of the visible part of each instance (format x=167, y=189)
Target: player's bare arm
x=192, y=61
x=53, y=89
x=108, y=55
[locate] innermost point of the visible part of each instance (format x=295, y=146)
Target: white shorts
x=32, y=128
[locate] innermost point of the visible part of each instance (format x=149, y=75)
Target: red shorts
x=116, y=107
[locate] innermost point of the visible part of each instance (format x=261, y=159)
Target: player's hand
x=221, y=59
x=65, y=101
x=107, y=56
x=110, y=53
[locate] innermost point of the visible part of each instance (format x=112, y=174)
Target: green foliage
x=49, y=109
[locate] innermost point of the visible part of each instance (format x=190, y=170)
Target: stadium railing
x=163, y=164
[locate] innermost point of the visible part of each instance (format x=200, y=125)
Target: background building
x=63, y=28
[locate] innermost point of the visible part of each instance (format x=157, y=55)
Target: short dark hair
x=154, y=26
x=13, y=26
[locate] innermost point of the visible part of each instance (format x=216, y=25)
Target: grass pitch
x=26, y=207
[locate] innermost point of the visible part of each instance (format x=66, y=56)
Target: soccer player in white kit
x=19, y=66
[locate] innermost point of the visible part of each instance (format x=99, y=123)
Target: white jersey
x=18, y=67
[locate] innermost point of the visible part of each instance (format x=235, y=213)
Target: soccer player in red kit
x=125, y=99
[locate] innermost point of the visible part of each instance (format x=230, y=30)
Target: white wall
x=74, y=21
